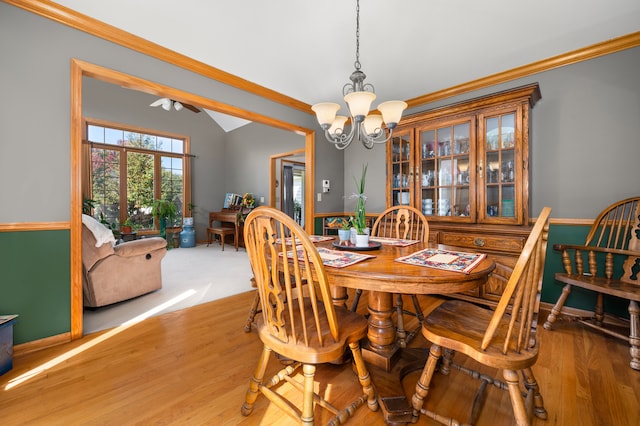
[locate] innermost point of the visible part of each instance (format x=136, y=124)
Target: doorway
x=80, y=69
x=292, y=193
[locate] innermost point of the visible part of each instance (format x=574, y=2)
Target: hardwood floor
x=192, y=367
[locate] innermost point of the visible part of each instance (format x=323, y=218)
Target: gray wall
x=247, y=153
x=34, y=126
x=584, y=147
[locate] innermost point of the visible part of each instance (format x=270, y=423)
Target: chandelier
x=358, y=96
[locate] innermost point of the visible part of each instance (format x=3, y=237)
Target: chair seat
x=353, y=327
x=461, y=325
x=602, y=285
x=222, y=231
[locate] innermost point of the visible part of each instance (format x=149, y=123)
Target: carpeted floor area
x=190, y=276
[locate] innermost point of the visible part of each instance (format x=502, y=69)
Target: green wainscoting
x=35, y=282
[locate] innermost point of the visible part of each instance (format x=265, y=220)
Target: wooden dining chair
x=299, y=322
x=504, y=339
x=612, y=253
x=404, y=222
x=222, y=230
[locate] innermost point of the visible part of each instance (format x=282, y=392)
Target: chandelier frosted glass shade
x=326, y=112
x=359, y=103
x=392, y=112
x=372, y=123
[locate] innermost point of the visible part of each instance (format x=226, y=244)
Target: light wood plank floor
x=192, y=367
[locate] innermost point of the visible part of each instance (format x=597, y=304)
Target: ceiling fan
x=167, y=103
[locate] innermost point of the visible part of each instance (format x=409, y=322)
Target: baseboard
x=37, y=345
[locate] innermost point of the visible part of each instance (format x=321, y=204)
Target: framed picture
x=228, y=200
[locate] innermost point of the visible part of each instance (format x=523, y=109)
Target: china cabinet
x=466, y=166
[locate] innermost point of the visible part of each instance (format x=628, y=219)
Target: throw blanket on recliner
x=101, y=233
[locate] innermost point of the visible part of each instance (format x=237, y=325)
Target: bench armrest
x=591, y=251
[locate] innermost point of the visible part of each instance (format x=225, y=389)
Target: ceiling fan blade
x=190, y=107
x=158, y=102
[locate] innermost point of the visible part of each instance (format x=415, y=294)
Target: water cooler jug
x=188, y=234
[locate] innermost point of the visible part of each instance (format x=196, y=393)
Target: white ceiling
x=408, y=48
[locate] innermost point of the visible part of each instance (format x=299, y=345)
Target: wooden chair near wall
x=299, y=322
x=503, y=339
x=403, y=222
x=222, y=230
x=612, y=254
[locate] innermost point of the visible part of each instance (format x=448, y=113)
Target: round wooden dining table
x=382, y=276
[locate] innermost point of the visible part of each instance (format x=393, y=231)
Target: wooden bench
x=612, y=243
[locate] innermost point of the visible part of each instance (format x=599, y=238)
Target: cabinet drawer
x=512, y=244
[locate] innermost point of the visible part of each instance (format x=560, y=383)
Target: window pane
x=164, y=144
x=140, y=189
x=114, y=136
x=171, y=183
x=106, y=184
x=177, y=146
x=95, y=134
x=132, y=139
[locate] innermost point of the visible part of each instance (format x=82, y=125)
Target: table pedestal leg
x=388, y=363
x=381, y=348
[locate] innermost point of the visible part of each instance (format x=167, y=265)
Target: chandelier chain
x=365, y=127
x=357, y=63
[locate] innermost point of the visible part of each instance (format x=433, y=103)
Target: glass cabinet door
x=444, y=176
x=401, y=174
x=502, y=168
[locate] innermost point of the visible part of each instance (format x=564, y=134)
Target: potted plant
x=344, y=233
x=126, y=227
x=163, y=211
x=359, y=220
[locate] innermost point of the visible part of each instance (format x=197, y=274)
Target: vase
x=362, y=240
x=344, y=234
x=352, y=237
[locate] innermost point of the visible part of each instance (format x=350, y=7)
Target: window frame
x=185, y=156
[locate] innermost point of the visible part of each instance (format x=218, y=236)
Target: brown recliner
x=115, y=273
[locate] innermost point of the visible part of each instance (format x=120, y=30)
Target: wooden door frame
x=308, y=219
x=80, y=69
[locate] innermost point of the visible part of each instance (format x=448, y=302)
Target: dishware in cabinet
x=444, y=187
x=399, y=164
x=503, y=152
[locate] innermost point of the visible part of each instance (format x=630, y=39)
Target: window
x=130, y=168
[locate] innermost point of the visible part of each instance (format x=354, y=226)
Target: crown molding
x=78, y=21
x=590, y=52
x=107, y=32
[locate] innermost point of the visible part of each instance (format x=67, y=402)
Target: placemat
x=394, y=241
x=336, y=258
x=444, y=259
